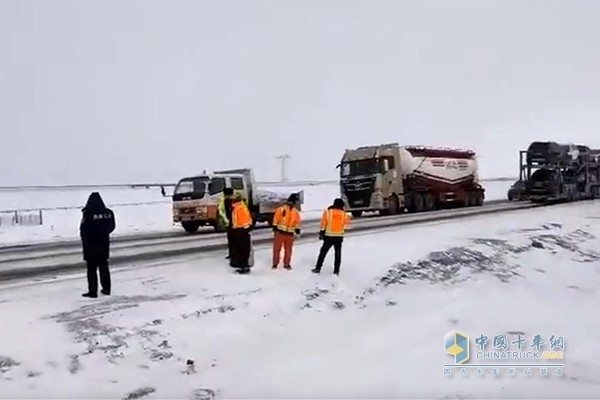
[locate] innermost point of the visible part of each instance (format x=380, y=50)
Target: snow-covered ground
x=137, y=210
x=376, y=331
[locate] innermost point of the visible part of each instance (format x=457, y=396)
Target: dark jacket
x=228, y=202
x=97, y=223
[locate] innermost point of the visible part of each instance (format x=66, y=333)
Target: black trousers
x=92, y=276
x=229, y=240
x=328, y=243
x=240, y=248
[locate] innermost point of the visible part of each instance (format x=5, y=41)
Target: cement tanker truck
x=391, y=179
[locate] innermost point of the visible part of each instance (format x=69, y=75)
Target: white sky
x=130, y=91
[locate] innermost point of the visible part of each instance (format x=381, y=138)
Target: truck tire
x=478, y=199
x=429, y=201
x=190, y=226
x=418, y=203
x=472, y=196
x=393, y=206
x=357, y=214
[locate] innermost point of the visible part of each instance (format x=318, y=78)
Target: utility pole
x=283, y=158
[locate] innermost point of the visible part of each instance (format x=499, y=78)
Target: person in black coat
x=97, y=223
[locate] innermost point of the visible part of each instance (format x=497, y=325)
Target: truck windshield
x=216, y=185
x=191, y=185
x=542, y=175
x=360, y=167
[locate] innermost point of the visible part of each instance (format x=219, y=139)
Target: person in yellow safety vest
x=224, y=211
x=286, y=223
x=333, y=225
x=241, y=245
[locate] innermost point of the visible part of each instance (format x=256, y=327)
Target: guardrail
x=159, y=185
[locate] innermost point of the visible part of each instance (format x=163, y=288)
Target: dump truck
x=554, y=172
x=196, y=198
x=391, y=179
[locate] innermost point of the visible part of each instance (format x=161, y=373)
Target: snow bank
x=374, y=332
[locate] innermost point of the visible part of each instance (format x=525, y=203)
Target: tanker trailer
x=390, y=179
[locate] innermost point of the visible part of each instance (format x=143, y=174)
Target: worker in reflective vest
x=241, y=246
x=286, y=224
x=333, y=225
x=224, y=209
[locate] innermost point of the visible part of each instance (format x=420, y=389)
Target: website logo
x=457, y=344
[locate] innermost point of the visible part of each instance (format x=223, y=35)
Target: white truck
x=196, y=198
x=390, y=179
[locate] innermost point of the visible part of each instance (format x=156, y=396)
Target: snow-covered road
x=376, y=331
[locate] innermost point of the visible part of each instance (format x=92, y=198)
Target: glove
x=321, y=235
x=298, y=232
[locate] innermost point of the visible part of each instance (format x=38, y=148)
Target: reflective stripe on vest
x=288, y=223
x=336, y=222
x=240, y=217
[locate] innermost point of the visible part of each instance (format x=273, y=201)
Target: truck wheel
x=429, y=201
x=478, y=199
x=190, y=226
x=472, y=199
x=419, y=203
x=393, y=207
x=357, y=214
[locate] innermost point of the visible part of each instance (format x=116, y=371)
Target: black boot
x=315, y=271
x=92, y=295
x=105, y=292
x=288, y=267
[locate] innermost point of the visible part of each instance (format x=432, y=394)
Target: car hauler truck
x=559, y=172
x=390, y=179
x=196, y=198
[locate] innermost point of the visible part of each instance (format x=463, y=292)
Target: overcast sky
x=129, y=91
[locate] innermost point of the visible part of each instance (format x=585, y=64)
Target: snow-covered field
x=376, y=331
x=137, y=210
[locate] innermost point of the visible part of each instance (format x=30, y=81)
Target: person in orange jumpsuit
x=241, y=244
x=286, y=224
x=334, y=221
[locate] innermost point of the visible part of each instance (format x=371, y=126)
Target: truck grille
x=359, y=191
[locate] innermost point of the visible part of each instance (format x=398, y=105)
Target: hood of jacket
x=94, y=204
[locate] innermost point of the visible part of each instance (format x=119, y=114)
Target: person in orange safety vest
x=286, y=224
x=333, y=224
x=241, y=246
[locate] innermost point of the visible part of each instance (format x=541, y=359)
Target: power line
x=283, y=158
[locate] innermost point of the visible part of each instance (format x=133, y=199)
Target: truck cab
x=196, y=198
x=370, y=181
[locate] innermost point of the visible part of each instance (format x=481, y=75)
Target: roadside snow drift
x=192, y=329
